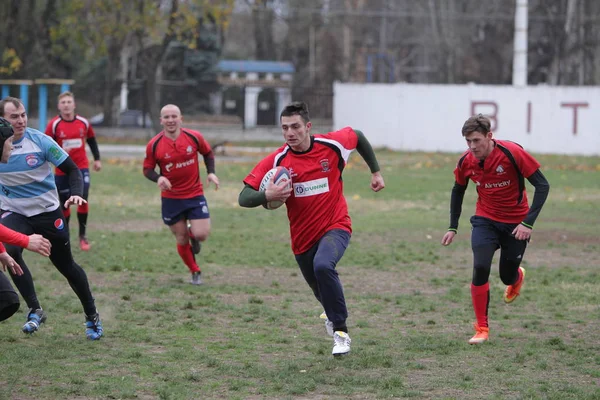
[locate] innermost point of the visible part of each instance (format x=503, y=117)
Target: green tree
x=145, y=27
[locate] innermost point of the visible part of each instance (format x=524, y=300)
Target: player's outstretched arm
x=365, y=150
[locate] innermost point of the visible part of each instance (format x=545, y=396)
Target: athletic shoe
x=513, y=291
x=196, y=245
x=84, y=245
x=482, y=334
x=34, y=320
x=93, y=327
x=341, y=343
x=196, y=278
x=328, y=324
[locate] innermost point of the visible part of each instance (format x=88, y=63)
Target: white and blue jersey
x=27, y=183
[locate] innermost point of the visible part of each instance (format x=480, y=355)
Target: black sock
x=82, y=218
x=342, y=328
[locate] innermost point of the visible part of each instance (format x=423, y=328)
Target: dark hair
x=477, y=123
x=6, y=132
x=296, y=108
x=16, y=102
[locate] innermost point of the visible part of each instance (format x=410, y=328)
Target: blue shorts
x=64, y=189
x=173, y=210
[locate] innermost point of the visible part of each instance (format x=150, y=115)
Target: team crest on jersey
x=324, y=165
x=59, y=224
x=81, y=132
x=500, y=170
x=32, y=160
x=189, y=149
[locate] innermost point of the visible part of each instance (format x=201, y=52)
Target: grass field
x=252, y=331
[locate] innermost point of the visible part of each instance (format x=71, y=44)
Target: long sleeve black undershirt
x=537, y=179
x=94, y=148
x=542, y=188
x=75, y=179
x=209, y=161
x=456, y=201
x=151, y=174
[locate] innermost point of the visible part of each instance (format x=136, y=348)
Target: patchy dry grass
x=253, y=330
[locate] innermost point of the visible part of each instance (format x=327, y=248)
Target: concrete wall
x=543, y=119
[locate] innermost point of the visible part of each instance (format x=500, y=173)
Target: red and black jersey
x=499, y=180
x=71, y=136
x=178, y=162
x=317, y=204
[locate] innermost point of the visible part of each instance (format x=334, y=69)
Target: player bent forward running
x=503, y=219
x=320, y=226
x=31, y=205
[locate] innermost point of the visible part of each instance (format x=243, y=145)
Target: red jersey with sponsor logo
x=178, y=162
x=317, y=204
x=71, y=136
x=499, y=181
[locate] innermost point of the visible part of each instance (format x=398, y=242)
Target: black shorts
x=488, y=232
x=9, y=299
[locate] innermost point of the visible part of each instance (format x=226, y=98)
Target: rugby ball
x=278, y=174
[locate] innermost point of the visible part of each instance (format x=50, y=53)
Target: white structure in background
x=519, y=72
x=543, y=119
x=256, y=90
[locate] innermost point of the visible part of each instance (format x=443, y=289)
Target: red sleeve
x=2, y=248
x=459, y=172
x=48, y=130
x=204, y=147
x=90, y=131
x=258, y=172
x=149, y=160
x=525, y=161
x=345, y=136
x=13, y=237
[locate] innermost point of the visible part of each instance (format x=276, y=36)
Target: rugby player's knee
x=481, y=274
x=509, y=270
x=201, y=235
x=323, y=267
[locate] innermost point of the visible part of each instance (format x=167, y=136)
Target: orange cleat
x=482, y=334
x=513, y=291
x=84, y=245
